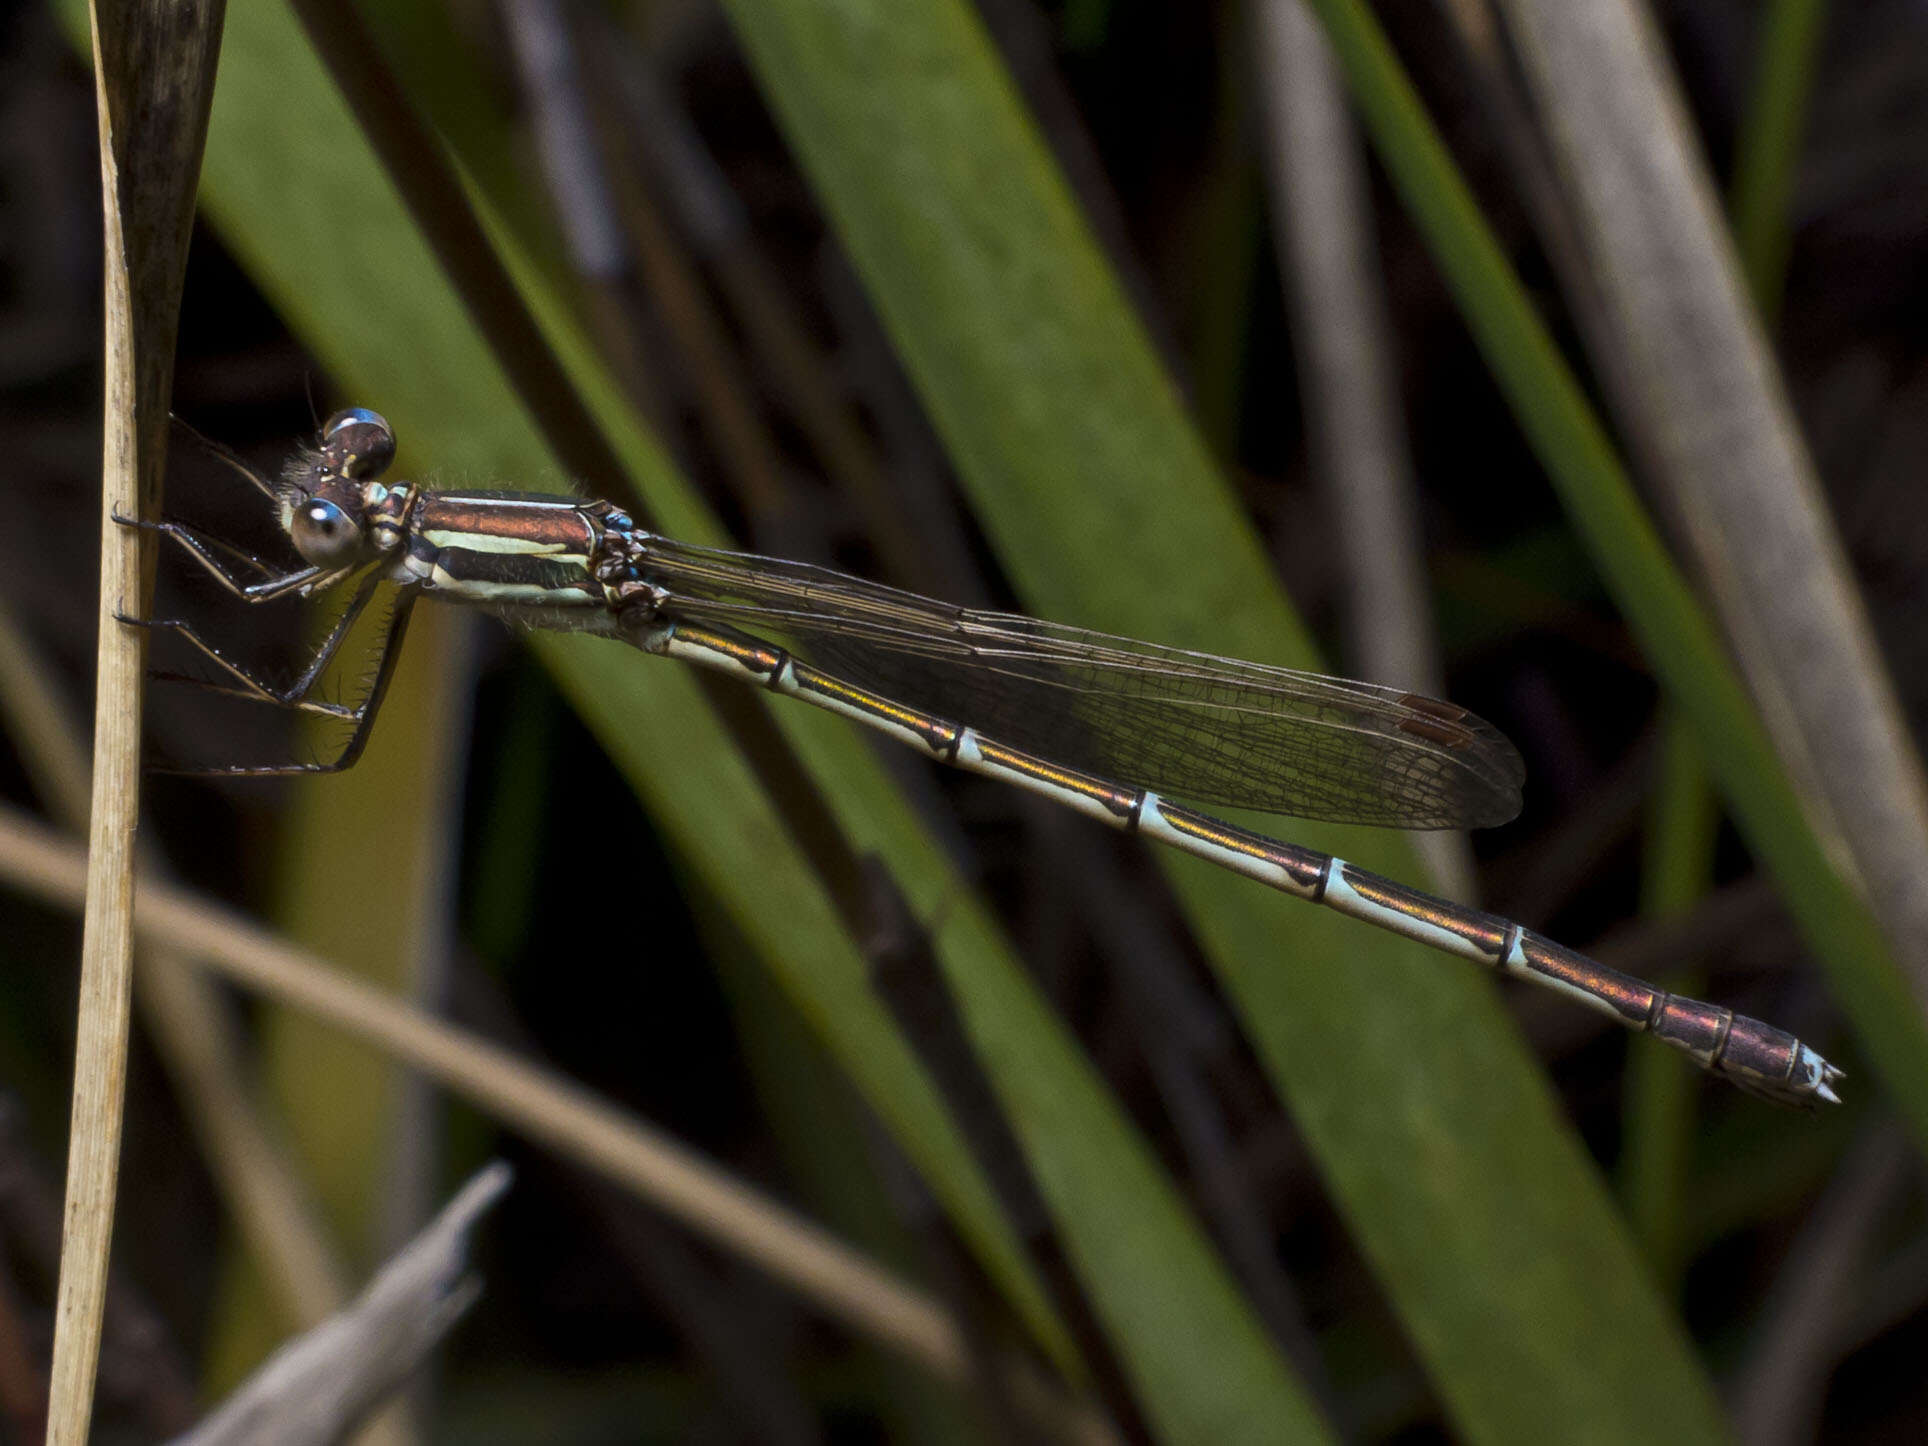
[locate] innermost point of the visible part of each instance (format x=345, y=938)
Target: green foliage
x=1483, y=1220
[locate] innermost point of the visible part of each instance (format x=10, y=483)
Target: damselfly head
x=326, y=492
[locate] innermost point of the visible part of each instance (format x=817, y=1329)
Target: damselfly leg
x=242, y=575
x=209, y=551
x=252, y=687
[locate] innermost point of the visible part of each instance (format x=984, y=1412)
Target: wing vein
x=1208, y=729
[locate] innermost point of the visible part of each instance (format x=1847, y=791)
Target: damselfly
x=1056, y=710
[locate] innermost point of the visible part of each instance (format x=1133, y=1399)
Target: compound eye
x=357, y=443
x=324, y=534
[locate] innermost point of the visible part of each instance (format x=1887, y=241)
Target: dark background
x=586, y=1331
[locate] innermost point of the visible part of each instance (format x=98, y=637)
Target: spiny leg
x=295, y=695
x=253, y=691
x=182, y=532
x=390, y=655
x=362, y=714
x=206, y=549
x=246, y=684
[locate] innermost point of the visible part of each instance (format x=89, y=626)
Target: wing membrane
x=1207, y=729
